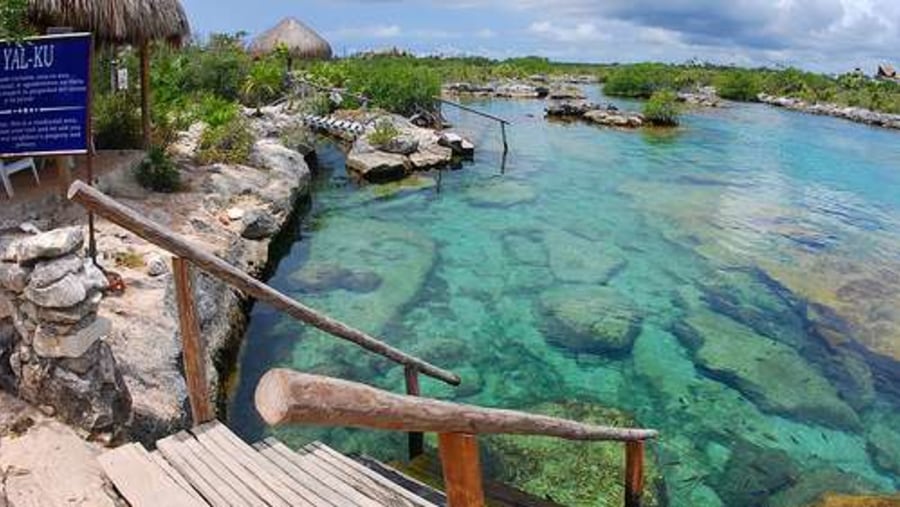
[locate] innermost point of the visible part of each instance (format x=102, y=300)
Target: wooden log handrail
x=286, y=396
x=108, y=208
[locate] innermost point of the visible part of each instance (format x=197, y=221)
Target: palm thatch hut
x=301, y=41
x=133, y=22
x=886, y=70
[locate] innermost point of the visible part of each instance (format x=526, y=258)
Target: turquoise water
x=732, y=283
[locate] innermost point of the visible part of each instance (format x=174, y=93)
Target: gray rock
x=13, y=277
x=258, y=224
x=431, y=156
x=457, y=143
x=56, y=243
x=570, y=108
x=377, y=166
x=593, y=320
x=73, y=344
x=401, y=146
x=565, y=93
x=93, y=278
x=71, y=315
x=87, y=392
x=618, y=119
x=69, y=291
x=48, y=272
x=156, y=265
x=6, y=305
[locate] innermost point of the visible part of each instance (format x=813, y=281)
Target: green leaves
x=13, y=20
x=662, y=109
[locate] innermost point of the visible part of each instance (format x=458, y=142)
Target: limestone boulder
x=619, y=119
x=772, y=375
x=570, y=108
x=66, y=292
x=13, y=277
x=590, y=319
x=52, y=342
x=156, y=265
x=48, y=245
x=431, y=156
x=258, y=224
x=376, y=166
x=460, y=145
x=48, y=272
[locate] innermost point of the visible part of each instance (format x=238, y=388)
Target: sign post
x=45, y=100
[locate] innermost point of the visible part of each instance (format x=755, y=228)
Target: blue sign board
x=45, y=95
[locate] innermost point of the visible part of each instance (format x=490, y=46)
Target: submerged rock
x=589, y=319
x=578, y=260
x=325, y=277
x=501, y=193
x=883, y=444
x=753, y=473
x=565, y=472
x=773, y=375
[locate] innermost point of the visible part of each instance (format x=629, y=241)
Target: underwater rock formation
x=771, y=374
x=566, y=472
x=501, y=193
x=593, y=320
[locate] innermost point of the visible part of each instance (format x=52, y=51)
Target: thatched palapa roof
x=115, y=21
x=300, y=40
x=886, y=70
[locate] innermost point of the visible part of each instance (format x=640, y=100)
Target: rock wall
x=53, y=351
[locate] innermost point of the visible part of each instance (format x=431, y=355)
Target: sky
x=823, y=35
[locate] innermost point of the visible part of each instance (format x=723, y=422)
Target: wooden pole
x=285, y=396
x=505, y=144
x=634, y=473
x=193, y=350
x=145, y=93
x=416, y=438
x=462, y=469
x=119, y=214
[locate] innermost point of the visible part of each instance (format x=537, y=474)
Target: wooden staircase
x=210, y=465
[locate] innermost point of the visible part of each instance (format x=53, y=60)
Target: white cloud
x=485, y=33
x=580, y=32
x=368, y=32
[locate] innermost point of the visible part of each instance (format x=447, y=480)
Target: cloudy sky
x=826, y=35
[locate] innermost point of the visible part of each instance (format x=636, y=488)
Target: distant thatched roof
x=886, y=70
x=299, y=39
x=115, y=21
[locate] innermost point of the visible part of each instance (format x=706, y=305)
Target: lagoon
x=732, y=283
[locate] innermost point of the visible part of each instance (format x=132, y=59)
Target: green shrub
x=662, y=109
x=157, y=172
x=213, y=110
x=117, y=122
x=264, y=83
x=229, y=143
x=384, y=133
x=739, y=84
x=219, y=67
x=639, y=80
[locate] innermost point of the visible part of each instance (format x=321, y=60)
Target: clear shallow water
x=750, y=256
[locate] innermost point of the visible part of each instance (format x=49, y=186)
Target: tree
x=13, y=18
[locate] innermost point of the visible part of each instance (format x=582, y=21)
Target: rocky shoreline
x=608, y=115
x=534, y=87
x=856, y=114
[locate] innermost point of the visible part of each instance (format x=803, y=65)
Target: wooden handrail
x=286, y=396
x=108, y=208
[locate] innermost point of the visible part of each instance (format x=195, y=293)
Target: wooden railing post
x=634, y=472
x=462, y=469
x=416, y=438
x=193, y=351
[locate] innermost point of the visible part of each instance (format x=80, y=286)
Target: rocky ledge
x=608, y=115
x=535, y=87
x=412, y=149
x=856, y=114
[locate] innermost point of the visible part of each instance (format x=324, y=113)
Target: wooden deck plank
x=249, y=497
x=322, y=449
x=343, y=494
x=141, y=481
x=280, y=484
x=196, y=472
x=298, y=483
x=359, y=473
x=173, y=474
x=232, y=462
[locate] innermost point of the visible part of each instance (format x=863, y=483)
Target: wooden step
x=210, y=465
